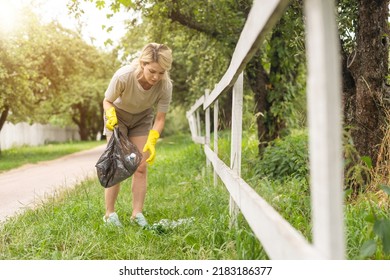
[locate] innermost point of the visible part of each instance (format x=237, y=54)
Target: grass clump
x=286, y=157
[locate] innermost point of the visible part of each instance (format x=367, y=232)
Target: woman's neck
x=144, y=84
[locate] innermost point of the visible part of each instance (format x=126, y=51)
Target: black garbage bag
x=119, y=160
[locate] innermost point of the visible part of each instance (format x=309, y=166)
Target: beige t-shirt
x=127, y=94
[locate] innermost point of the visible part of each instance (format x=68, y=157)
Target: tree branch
x=176, y=16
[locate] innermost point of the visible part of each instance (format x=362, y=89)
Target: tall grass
x=281, y=178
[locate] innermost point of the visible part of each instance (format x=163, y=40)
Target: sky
x=92, y=20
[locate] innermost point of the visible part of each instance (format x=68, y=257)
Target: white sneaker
x=140, y=219
x=112, y=219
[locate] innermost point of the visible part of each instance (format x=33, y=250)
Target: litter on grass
x=164, y=225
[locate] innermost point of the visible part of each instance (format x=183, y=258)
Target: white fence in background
x=13, y=135
x=279, y=239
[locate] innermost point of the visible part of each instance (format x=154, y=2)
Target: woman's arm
x=159, y=122
x=107, y=104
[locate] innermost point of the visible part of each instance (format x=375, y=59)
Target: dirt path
x=27, y=186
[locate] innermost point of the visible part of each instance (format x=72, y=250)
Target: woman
x=128, y=103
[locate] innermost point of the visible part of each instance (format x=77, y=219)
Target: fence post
x=198, y=126
x=207, y=134
x=216, y=124
x=192, y=124
x=236, y=139
x=325, y=143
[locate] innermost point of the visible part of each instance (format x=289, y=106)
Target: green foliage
x=284, y=58
x=176, y=122
x=201, y=39
x=289, y=195
x=286, y=157
x=382, y=231
x=62, y=77
x=379, y=232
x=385, y=188
x=347, y=24
x=17, y=72
x=357, y=168
x=203, y=36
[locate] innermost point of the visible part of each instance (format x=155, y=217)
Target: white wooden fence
x=279, y=239
x=20, y=134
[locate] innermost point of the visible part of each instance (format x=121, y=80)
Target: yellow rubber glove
x=111, y=118
x=150, y=145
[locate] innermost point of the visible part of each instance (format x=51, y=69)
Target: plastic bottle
x=132, y=157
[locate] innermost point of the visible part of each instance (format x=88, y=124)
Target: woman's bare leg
x=110, y=196
x=139, y=181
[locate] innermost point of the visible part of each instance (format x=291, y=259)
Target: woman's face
x=152, y=73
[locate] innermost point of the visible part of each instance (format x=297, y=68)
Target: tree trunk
x=225, y=110
x=364, y=103
x=258, y=81
x=3, y=116
x=81, y=121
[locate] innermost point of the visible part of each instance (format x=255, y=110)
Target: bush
x=285, y=157
x=176, y=122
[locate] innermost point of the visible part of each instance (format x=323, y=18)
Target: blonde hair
x=154, y=52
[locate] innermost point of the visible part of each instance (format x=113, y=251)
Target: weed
x=286, y=157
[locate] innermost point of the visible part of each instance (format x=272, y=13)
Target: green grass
x=69, y=226
x=16, y=157
x=290, y=194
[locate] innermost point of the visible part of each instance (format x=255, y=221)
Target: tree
x=272, y=74
x=19, y=78
x=204, y=34
x=276, y=75
x=81, y=99
x=49, y=74
x=365, y=63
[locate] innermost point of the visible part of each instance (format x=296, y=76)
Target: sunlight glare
x=8, y=16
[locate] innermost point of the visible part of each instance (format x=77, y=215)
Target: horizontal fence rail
x=194, y=121
x=279, y=239
x=265, y=221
